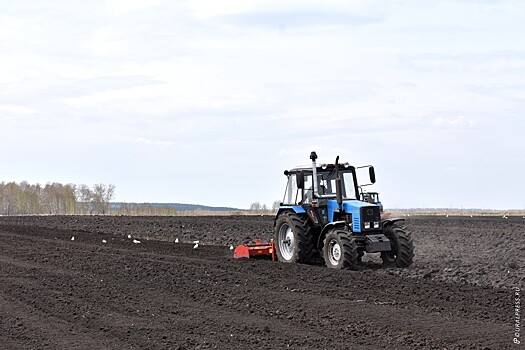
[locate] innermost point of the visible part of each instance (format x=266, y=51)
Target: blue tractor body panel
x=332, y=207
x=353, y=207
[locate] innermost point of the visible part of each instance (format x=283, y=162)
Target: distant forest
x=58, y=199
x=54, y=199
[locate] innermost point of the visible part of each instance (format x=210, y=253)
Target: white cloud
x=459, y=122
x=205, y=9
x=124, y=6
x=142, y=140
x=107, y=41
x=13, y=109
x=139, y=93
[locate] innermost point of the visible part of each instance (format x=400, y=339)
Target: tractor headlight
x=324, y=166
x=376, y=224
x=367, y=225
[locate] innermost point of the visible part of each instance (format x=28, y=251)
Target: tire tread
x=405, y=254
x=303, y=236
x=350, y=254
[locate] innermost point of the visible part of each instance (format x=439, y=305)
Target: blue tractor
x=323, y=215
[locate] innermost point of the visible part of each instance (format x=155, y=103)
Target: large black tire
x=293, y=238
x=402, y=251
x=340, y=250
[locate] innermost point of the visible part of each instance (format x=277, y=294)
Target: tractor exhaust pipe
x=313, y=157
x=338, y=190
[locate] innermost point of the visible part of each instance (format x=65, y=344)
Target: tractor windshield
x=327, y=187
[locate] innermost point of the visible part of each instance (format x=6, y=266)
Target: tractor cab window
x=308, y=189
x=348, y=186
x=322, y=185
x=290, y=195
x=325, y=186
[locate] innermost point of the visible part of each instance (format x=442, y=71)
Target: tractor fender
x=327, y=228
x=294, y=208
x=390, y=221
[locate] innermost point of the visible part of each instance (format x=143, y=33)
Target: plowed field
x=59, y=293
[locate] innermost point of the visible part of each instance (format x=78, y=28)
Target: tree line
x=145, y=209
x=54, y=199
x=58, y=199
x=257, y=208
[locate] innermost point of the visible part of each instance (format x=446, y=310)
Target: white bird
x=447, y=215
x=73, y=238
x=231, y=247
x=196, y=245
x=196, y=242
x=104, y=241
x=129, y=236
x=176, y=240
x=136, y=241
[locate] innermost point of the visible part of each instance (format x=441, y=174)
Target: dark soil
x=58, y=293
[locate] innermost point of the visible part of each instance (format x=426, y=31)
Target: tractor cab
x=301, y=188
x=333, y=196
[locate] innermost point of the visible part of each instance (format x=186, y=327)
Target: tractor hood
x=353, y=206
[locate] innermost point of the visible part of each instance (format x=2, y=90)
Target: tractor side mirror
x=300, y=180
x=372, y=174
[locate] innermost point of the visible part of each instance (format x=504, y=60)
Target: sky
x=208, y=102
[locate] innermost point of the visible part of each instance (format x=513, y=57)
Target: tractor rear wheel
x=293, y=238
x=402, y=251
x=340, y=250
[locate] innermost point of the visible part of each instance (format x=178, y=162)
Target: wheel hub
x=286, y=242
x=335, y=252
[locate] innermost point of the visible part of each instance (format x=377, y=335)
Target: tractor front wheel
x=340, y=250
x=293, y=239
x=402, y=251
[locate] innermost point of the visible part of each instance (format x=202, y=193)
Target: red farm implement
x=258, y=250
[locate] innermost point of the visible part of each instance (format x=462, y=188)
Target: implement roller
x=258, y=250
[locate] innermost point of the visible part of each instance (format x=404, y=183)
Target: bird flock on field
x=196, y=243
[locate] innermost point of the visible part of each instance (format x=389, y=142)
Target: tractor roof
x=321, y=167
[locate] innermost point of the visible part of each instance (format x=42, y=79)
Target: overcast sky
x=206, y=101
